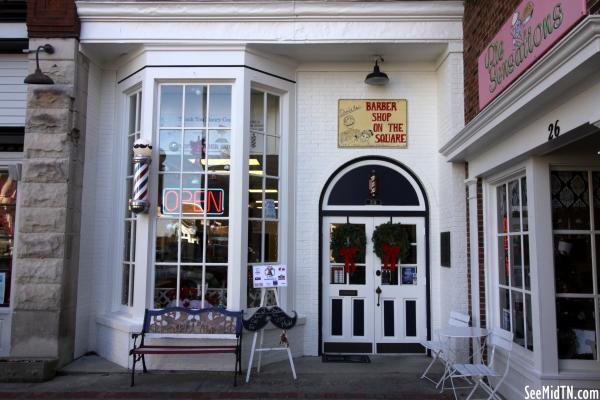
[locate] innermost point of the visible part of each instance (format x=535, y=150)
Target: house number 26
x=553, y=130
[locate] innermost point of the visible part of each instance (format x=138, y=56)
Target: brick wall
x=482, y=20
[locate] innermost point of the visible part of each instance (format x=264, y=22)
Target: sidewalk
x=386, y=377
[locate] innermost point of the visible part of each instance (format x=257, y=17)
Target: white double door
x=374, y=310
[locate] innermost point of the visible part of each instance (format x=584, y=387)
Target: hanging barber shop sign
x=534, y=27
x=372, y=123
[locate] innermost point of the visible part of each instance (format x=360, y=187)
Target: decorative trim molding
x=582, y=40
x=270, y=10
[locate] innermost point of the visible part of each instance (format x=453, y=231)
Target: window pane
x=515, y=206
x=576, y=329
x=254, y=241
x=570, y=200
x=505, y=316
x=411, y=232
x=169, y=195
x=527, y=271
x=192, y=237
x=166, y=239
x=192, y=197
x=272, y=115
x=169, y=150
x=194, y=151
x=501, y=205
x=272, y=159
x=217, y=241
x=129, y=167
x=528, y=323
x=171, y=103
x=335, y=257
x=190, y=287
x=216, y=286
x=524, y=206
x=127, y=241
x=573, y=263
x=503, y=261
x=357, y=277
x=257, y=114
x=516, y=264
x=518, y=318
x=257, y=142
x=217, y=196
x=255, y=197
x=271, y=241
x=596, y=190
x=220, y=106
x=125, y=285
x=132, y=113
x=271, y=204
x=219, y=150
x=195, y=106
x=165, y=286
x=8, y=192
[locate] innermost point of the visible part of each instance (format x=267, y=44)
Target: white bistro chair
x=500, y=341
x=440, y=348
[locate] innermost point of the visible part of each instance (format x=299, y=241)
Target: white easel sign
x=269, y=276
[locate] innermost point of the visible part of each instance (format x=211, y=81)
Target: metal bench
x=184, y=323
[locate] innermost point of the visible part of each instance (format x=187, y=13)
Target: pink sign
x=534, y=27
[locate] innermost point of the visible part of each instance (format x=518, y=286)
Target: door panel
x=357, y=319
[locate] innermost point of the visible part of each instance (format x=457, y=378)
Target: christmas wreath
x=390, y=244
x=349, y=241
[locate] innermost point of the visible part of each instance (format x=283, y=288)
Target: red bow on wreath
x=349, y=253
x=391, y=256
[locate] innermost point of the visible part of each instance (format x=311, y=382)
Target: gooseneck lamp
x=142, y=152
x=39, y=78
x=377, y=78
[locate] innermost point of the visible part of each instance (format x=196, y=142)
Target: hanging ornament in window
x=373, y=190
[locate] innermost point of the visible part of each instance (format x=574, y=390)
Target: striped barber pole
x=139, y=201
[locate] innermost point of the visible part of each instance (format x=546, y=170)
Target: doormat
x=341, y=358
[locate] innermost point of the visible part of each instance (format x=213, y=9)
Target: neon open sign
x=193, y=201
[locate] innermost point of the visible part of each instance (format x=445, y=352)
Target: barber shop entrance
x=374, y=260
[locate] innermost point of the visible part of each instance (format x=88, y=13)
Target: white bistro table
x=456, y=332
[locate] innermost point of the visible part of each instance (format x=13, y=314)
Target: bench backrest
x=179, y=321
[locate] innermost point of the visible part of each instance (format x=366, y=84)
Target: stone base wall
x=50, y=202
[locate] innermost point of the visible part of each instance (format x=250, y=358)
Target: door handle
x=378, y=291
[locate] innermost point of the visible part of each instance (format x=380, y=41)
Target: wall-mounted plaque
x=372, y=123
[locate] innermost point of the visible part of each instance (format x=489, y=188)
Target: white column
x=543, y=298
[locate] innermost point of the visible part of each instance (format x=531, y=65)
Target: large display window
x=575, y=196
x=192, y=206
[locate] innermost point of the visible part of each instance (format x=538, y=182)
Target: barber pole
x=142, y=151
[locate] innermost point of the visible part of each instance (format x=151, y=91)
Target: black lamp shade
x=38, y=78
x=377, y=77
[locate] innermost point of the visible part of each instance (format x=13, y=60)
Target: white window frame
x=595, y=254
x=490, y=226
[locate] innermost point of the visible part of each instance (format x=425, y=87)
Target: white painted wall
x=319, y=87
x=13, y=92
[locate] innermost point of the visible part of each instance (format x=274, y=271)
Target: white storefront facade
x=240, y=102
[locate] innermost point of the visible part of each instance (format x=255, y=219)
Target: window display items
x=142, y=153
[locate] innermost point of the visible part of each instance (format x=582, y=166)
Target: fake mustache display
x=276, y=315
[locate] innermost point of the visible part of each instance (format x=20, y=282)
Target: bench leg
x=133, y=370
x=144, y=363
